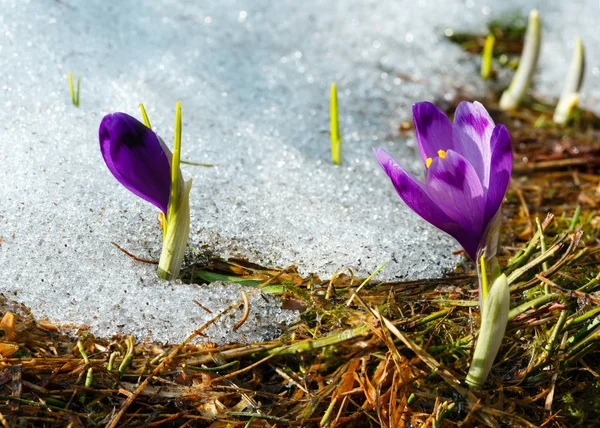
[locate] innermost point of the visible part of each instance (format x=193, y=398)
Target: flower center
x=441, y=153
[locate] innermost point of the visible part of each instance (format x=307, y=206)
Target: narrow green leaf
x=488, y=55
x=174, y=199
x=145, y=116
x=336, y=140
x=209, y=276
x=74, y=95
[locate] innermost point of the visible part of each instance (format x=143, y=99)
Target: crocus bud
x=141, y=162
x=494, y=318
x=135, y=156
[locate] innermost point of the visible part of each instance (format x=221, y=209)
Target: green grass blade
x=488, y=55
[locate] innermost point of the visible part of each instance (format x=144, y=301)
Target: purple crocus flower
x=137, y=158
x=468, y=166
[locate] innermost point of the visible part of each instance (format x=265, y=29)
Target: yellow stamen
x=428, y=162
x=441, y=154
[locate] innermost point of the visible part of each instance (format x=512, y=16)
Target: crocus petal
x=471, y=135
x=136, y=158
x=500, y=169
x=433, y=130
x=454, y=186
x=415, y=195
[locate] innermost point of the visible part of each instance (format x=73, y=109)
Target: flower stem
x=494, y=317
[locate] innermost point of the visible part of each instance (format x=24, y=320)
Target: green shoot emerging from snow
x=74, y=93
x=512, y=97
x=570, y=94
x=336, y=139
x=488, y=55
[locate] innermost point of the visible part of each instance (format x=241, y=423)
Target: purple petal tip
x=134, y=155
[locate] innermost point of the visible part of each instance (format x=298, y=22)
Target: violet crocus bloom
x=137, y=158
x=468, y=165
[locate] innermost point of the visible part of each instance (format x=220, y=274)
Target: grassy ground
x=378, y=354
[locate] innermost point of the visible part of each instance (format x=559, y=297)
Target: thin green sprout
x=484, y=280
x=174, y=199
x=145, y=116
x=336, y=140
x=488, y=55
x=74, y=94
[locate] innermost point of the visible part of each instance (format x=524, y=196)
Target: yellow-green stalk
x=74, y=94
x=512, y=97
x=487, y=56
x=177, y=228
x=336, y=139
x=494, y=318
x=569, y=97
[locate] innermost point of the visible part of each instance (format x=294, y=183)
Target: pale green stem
x=176, y=237
x=336, y=139
x=494, y=317
x=570, y=94
x=511, y=98
x=487, y=56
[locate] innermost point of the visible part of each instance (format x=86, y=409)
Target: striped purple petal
x=468, y=171
x=455, y=187
x=500, y=170
x=471, y=135
x=135, y=156
x=415, y=195
x=433, y=130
